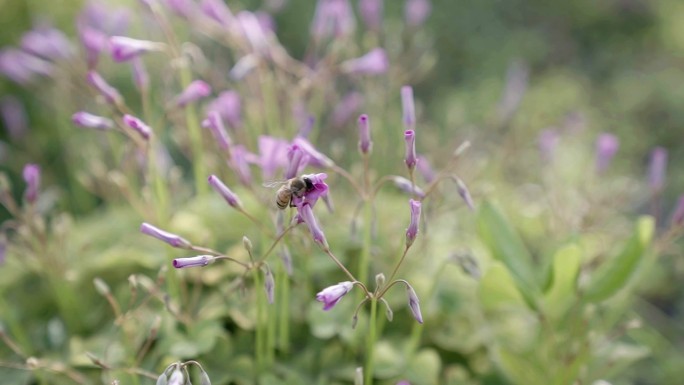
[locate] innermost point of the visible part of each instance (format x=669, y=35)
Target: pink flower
x=125, y=48
x=333, y=18
x=31, y=176
x=110, y=93
x=331, y=295
x=228, y=105
x=214, y=123
x=87, y=120
x=371, y=13
x=48, y=43
x=316, y=158
x=606, y=147
x=218, y=11
x=273, y=153
x=374, y=62
x=138, y=125
x=318, y=189
x=196, y=90
x=417, y=11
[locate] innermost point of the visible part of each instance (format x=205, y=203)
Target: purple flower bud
x=463, y=192
x=272, y=155
x=196, y=90
x=365, y=143
x=548, y=142
x=164, y=236
x=240, y=164
x=141, y=78
x=86, y=120
x=331, y=295
x=225, y=192
x=374, y=62
x=198, y=261
x=22, y=67
x=125, y=48
x=346, y=108
x=110, y=93
x=215, y=124
x=405, y=185
x=295, y=156
x=266, y=21
x=678, y=215
x=657, y=168
x=228, y=105
x=425, y=169
x=94, y=42
x=414, y=303
x=316, y=158
x=138, y=125
x=606, y=147
x=408, y=107
x=31, y=175
x=306, y=214
x=218, y=11
x=333, y=18
x=253, y=31
x=177, y=377
x=371, y=13
x=410, y=159
x=14, y=117
x=412, y=229
x=269, y=285
x=48, y=43
x=416, y=12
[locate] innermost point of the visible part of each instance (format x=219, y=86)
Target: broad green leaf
x=566, y=264
x=616, y=272
x=498, y=289
x=521, y=369
x=506, y=246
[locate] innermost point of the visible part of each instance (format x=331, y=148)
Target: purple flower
x=331, y=295
x=183, y=8
x=297, y=159
x=316, y=158
x=266, y=21
x=253, y=31
x=198, y=261
x=371, y=13
x=215, y=124
x=403, y=383
x=269, y=285
x=606, y=147
x=31, y=176
x=239, y=163
x=320, y=189
x=110, y=93
x=374, y=62
x=416, y=12
x=425, y=169
x=657, y=168
x=408, y=107
x=14, y=116
x=346, y=108
x=412, y=229
x=164, y=236
x=306, y=215
x=225, y=192
x=87, y=120
x=333, y=18
x=218, y=11
x=22, y=67
x=410, y=139
x=548, y=142
x=125, y=48
x=138, y=125
x=196, y=90
x=678, y=215
x=365, y=142
x=272, y=155
x=48, y=43
x=94, y=42
x=414, y=303
x=406, y=186
x=463, y=192
x=228, y=105
x=95, y=24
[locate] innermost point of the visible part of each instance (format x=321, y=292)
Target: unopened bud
x=101, y=287
x=380, y=280
x=358, y=376
x=247, y=244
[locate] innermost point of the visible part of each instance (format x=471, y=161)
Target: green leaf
x=565, y=268
x=506, y=246
x=521, y=368
x=615, y=273
x=498, y=289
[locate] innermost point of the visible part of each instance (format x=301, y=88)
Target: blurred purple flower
x=218, y=11
x=678, y=214
x=269, y=285
x=172, y=239
x=48, y=43
x=96, y=23
x=416, y=12
x=331, y=295
x=606, y=147
x=412, y=230
x=548, y=142
x=272, y=155
x=14, y=116
x=110, y=93
x=183, y=8
x=266, y=21
x=198, y=261
x=463, y=192
x=320, y=189
x=405, y=185
x=138, y=125
x=87, y=120
x=657, y=169
x=196, y=90
x=31, y=174
x=254, y=31
x=414, y=303
x=408, y=107
x=365, y=142
x=22, y=67
x=124, y=48
x=374, y=62
x=296, y=160
x=240, y=164
x=371, y=13
x=333, y=19
x=228, y=105
x=425, y=169
x=410, y=157
x=141, y=77
x=316, y=158
x=225, y=192
x=346, y=108
x=305, y=214
x=215, y=124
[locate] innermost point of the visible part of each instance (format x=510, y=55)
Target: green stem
x=270, y=311
x=364, y=261
x=161, y=191
x=370, y=342
x=258, y=324
x=283, y=296
x=195, y=135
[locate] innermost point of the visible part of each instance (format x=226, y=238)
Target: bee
x=295, y=187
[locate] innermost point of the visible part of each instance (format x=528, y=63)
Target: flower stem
x=258, y=328
x=370, y=342
x=283, y=305
x=364, y=261
x=195, y=135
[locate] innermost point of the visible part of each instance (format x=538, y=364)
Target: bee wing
x=274, y=183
